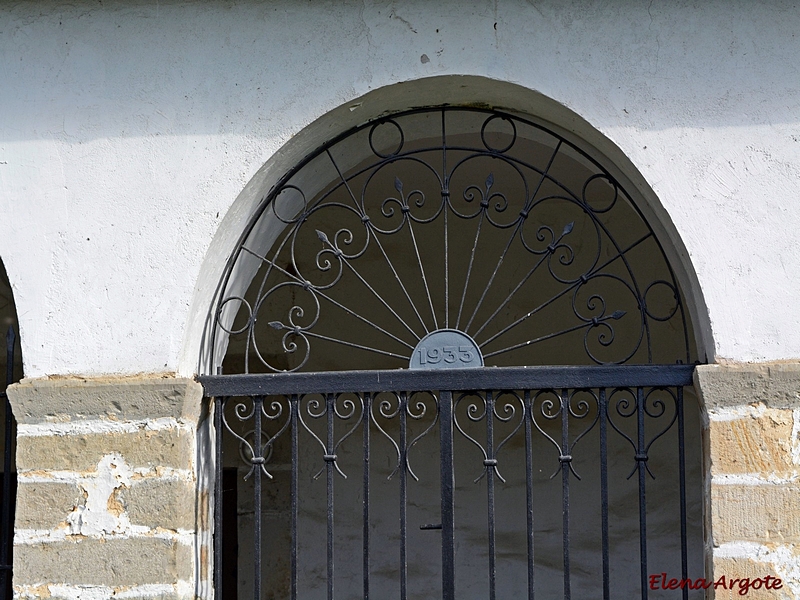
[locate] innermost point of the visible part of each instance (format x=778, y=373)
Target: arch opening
x=498, y=227
x=452, y=90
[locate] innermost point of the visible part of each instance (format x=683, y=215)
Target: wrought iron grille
x=471, y=220
x=410, y=453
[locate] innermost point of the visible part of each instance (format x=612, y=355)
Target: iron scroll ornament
x=400, y=229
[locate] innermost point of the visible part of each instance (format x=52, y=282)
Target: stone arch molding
x=466, y=91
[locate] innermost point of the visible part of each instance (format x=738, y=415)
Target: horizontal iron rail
x=497, y=378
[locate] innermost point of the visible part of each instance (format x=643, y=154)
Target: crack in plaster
x=393, y=15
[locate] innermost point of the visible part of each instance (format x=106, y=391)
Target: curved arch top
x=503, y=167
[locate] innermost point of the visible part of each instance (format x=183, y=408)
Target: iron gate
x=453, y=243
x=485, y=409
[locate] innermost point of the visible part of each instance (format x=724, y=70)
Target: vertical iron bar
x=365, y=421
x=403, y=496
x=448, y=483
x=682, y=471
x=604, y=490
x=219, y=403
x=640, y=458
x=565, y=459
x=330, y=405
x=489, y=466
x=295, y=408
x=258, y=461
x=446, y=202
x=5, y=530
x=528, y=415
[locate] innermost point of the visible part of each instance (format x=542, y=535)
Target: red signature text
x=742, y=585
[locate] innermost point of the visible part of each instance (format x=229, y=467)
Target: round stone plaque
x=446, y=349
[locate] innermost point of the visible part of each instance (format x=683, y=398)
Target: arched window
x=453, y=360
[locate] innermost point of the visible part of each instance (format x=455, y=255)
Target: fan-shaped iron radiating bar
x=452, y=223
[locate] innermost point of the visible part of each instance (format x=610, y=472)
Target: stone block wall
x=753, y=459
x=109, y=501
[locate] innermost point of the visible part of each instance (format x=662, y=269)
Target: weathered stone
x=184, y=562
x=45, y=505
x=109, y=562
x=761, y=443
x=757, y=513
x=777, y=385
x=33, y=591
x=748, y=568
x=167, y=503
x=118, y=399
x=171, y=447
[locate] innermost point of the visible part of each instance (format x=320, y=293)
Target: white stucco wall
x=127, y=131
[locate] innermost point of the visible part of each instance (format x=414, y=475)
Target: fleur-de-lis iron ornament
x=390, y=247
